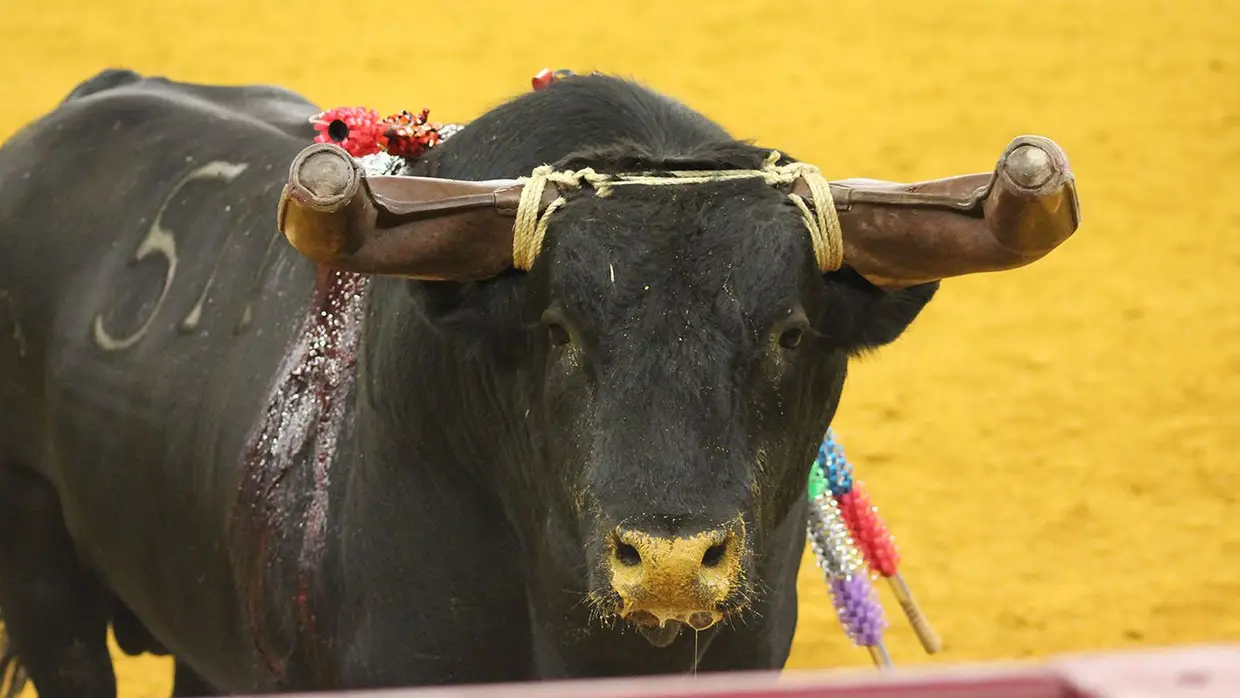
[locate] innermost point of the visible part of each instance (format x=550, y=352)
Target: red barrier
x=1189, y=672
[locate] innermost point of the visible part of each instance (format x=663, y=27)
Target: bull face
x=688, y=350
x=691, y=356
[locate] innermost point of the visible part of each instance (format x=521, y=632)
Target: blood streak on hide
x=287, y=469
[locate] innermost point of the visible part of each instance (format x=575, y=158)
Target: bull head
x=895, y=235
x=663, y=551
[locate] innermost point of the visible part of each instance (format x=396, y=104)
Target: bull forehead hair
x=633, y=156
x=702, y=258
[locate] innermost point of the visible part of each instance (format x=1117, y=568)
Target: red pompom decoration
x=869, y=531
x=359, y=131
x=408, y=135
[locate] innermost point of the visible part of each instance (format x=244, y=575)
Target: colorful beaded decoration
x=850, y=540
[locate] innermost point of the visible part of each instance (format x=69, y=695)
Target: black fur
x=481, y=464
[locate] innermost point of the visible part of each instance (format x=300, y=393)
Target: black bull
x=290, y=477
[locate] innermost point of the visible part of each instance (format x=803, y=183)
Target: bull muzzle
x=893, y=234
x=665, y=582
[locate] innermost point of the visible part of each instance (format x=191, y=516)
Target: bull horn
x=894, y=234
x=898, y=235
x=417, y=227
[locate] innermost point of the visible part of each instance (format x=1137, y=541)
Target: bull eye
x=558, y=335
x=791, y=339
x=791, y=330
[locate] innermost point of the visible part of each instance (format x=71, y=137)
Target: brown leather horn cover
x=418, y=227
x=898, y=235
x=895, y=235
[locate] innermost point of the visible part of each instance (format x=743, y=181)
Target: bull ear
x=864, y=317
x=416, y=227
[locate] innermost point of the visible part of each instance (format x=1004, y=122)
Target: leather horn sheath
x=417, y=227
x=895, y=235
x=899, y=235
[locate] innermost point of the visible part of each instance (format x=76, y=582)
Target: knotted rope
x=822, y=221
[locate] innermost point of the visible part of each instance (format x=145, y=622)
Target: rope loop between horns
x=822, y=221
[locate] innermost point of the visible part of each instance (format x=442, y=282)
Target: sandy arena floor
x=1054, y=447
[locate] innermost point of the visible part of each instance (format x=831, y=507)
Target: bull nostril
x=627, y=554
x=714, y=554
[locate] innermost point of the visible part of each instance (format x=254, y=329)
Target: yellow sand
x=1055, y=446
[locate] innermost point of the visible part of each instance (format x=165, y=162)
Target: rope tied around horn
x=822, y=221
